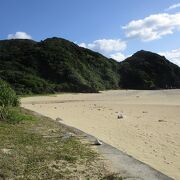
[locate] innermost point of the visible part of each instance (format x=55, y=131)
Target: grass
x=14, y=115
x=39, y=148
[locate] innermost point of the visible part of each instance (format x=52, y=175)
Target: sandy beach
x=149, y=129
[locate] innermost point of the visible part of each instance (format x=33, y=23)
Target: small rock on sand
x=97, y=142
x=161, y=120
x=120, y=116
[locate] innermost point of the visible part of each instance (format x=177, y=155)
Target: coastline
x=148, y=131
x=121, y=163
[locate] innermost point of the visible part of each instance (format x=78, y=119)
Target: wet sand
x=149, y=129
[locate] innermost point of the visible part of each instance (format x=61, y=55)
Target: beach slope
x=143, y=124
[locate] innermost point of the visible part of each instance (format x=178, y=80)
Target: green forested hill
x=147, y=70
x=55, y=65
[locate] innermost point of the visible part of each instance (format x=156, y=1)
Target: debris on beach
x=161, y=120
x=120, y=116
x=97, y=142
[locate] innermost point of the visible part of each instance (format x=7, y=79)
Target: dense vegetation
x=7, y=95
x=147, y=70
x=8, y=100
x=56, y=65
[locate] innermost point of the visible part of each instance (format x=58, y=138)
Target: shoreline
x=121, y=163
x=148, y=131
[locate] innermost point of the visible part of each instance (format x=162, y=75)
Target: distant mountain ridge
x=147, y=70
x=56, y=65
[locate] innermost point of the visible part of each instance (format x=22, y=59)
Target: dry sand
x=149, y=129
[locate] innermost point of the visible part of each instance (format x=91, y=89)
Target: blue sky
x=116, y=28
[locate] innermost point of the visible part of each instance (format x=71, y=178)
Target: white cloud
x=19, y=35
x=118, y=56
x=106, y=46
x=82, y=45
x=173, y=55
x=153, y=27
x=174, y=6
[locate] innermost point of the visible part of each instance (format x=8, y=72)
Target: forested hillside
x=147, y=70
x=56, y=65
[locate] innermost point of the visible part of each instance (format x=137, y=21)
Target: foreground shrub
x=8, y=99
x=8, y=96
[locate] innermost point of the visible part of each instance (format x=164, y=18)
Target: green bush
x=8, y=96
x=8, y=99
